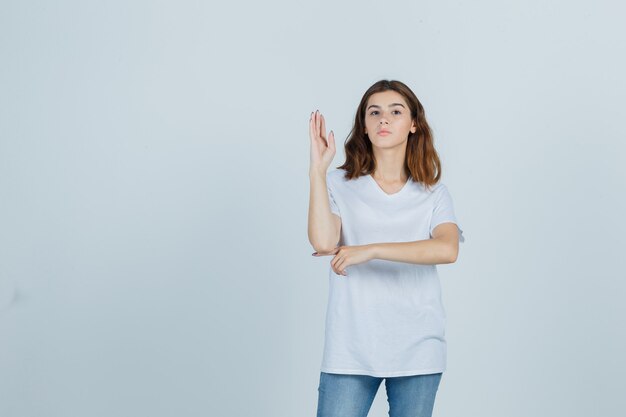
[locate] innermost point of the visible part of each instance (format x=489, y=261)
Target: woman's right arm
x=324, y=226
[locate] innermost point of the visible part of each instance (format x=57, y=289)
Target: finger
x=341, y=265
x=319, y=124
x=339, y=268
x=323, y=126
x=311, y=130
x=336, y=260
x=314, y=129
x=331, y=140
x=315, y=139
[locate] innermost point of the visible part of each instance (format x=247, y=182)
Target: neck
x=390, y=165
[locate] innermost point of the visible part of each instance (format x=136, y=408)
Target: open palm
x=322, y=149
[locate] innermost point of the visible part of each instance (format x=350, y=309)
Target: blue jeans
x=352, y=395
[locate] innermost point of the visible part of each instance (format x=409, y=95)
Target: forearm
x=427, y=252
x=321, y=227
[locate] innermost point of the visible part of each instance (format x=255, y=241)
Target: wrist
x=317, y=173
x=373, y=249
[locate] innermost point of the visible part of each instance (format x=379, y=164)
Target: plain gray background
x=154, y=191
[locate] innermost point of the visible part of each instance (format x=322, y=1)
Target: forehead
x=385, y=98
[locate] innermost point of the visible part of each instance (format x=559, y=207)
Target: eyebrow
x=391, y=105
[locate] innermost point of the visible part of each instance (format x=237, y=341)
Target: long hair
x=421, y=161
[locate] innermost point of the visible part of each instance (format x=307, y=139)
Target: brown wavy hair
x=421, y=162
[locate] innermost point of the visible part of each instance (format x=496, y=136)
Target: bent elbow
x=323, y=248
x=324, y=245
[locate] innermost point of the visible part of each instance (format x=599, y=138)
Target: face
x=388, y=111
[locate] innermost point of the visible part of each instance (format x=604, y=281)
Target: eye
x=376, y=111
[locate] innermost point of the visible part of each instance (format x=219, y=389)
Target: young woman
x=387, y=221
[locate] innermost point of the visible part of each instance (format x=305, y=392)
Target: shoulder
x=438, y=188
x=335, y=176
x=439, y=193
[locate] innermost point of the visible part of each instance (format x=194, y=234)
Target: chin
x=388, y=144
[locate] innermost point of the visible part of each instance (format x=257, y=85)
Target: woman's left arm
x=443, y=248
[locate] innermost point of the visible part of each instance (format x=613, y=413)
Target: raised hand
x=322, y=149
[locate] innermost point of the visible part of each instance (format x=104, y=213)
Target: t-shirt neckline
x=383, y=192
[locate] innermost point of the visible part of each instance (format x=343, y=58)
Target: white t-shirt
x=385, y=318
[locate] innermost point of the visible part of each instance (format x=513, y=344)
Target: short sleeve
x=443, y=211
x=333, y=204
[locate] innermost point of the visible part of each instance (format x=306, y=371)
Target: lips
x=383, y=132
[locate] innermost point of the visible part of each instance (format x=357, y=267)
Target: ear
x=413, y=127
